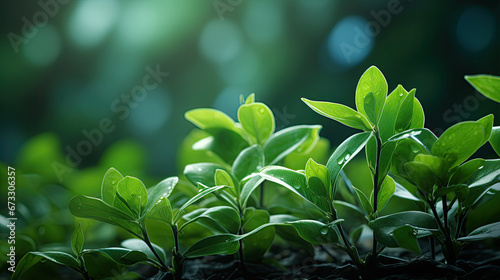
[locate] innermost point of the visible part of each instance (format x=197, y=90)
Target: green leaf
x=481, y=181
x=390, y=112
x=403, y=193
x=77, y=240
x=297, y=183
x=373, y=81
x=487, y=123
x=225, y=143
x=256, y=246
x=487, y=85
x=250, y=99
x=423, y=177
x=406, y=237
x=250, y=160
x=161, y=211
x=96, y=209
x=385, y=193
x=285, y=141
x=367, y=206
x=385, y=226
x=345, y=153
x=318, y=178
x=421, y=136
x=405, y=113
x=222, y=219
x=495, y=139
x=162, y=190
x=461, y=191
x=437, y=165
x=459, y=142
x=33, y=258
x=370, y=107
x=139, y=245
x=222, y=178
x=109, y=185
x=133, y=191
x=418, y=117
x=465, y=171
x=248, y=189
x=214, y=245
x=203, y=172
x=315, y=232
x=490, y=231
x=120, y=255
x=385, y=157
x=257, y=120
x=340, y=113
x=210, y=118
x=204, y=192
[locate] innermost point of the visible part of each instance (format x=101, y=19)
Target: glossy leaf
x=161, y=211
x=250, y=160
x=222, y=178
x=421, y=136
x=487, y=85
x=495, y=139
x=133, y=191
x=222, y=219
x=390, y=112
x=296, y=182
x=256, y=245
x=482, y=181
x=316, y=232
x=403, y=193
x=385, y=226
x=214, y=245
x=465, y=171
x=487, y=123
x=490, y=231
x=370, y=106
x=318, y=178
x=203, y=172
x=210, y=118
x=418, y=116
x=385, y=157
x=373, y=81
x=367, y=206
x=96, y=209
x=139, y=245
x=406, y=151
x=461, y=191
x=249, y=187
x=437, y=165
x=33, y=258
x=257, y=120
x=423, y=177
x=285, y=141
x=162, y=190
x=204, y=192
x=344, y=153
x=459, y=142
x=109, y=185
x=406, y=237
x=405, y=113
x=386, y=191
x=77, y=240
x=121, y=256
x=340, y=113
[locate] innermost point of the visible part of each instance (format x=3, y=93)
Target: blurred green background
x=69, y=65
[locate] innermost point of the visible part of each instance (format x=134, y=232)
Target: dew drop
x=261, y=111
x=324, y=230
x=401, y=94
x=113, y=182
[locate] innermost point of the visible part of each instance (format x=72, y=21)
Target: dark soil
x=473, y=264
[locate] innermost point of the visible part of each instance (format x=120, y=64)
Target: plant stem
x=375, y=188
x=449, y=244
x=461, y=221
x=177, y=258
x=148, y=242
x=240, y=253
x=433, y=249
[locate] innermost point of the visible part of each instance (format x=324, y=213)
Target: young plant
x=252, y=145
x=82, y=261
x=448, y=186
x=127, y=204
x=380, y=117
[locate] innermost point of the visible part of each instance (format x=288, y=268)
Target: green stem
x=375, y=189
x=148, y=242
x=240, y=253
x=451, y=259
x=178, y=260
